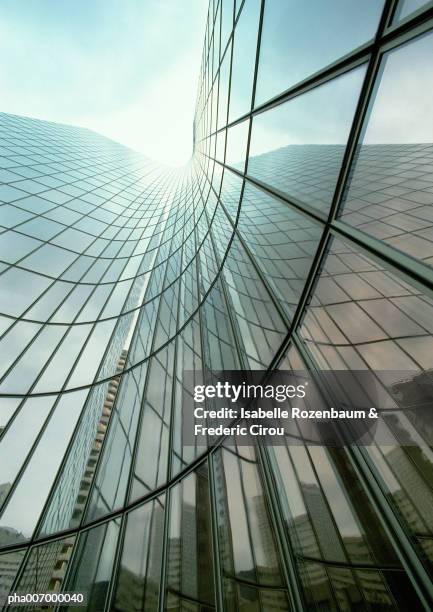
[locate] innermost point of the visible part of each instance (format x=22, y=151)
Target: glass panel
x=26, y=369
x=19, y=289
x=362, y=316
x=236, y=147
x=389, y=194
x=17, y=441
x=244, y=59
x=248, y=553
x=92, y=566
x=282, y=241
x=19, y=518
x=49, y=260
x=298, y=147
x=190, y=565
x=45, y=569
x=406, y=7
x=297, y=38
x=8, y=406
x=139, y=577
x=9, y=565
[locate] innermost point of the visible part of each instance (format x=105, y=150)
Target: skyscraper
x=298, y=237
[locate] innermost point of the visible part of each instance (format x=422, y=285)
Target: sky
x=127, y=69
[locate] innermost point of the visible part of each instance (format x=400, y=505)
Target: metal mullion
x=257, y=58
x=147, y=552
x=408, y=23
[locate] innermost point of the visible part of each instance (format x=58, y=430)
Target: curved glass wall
x=298, y=237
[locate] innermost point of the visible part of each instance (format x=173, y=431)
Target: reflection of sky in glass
x=297, y=147
x=406, y=7
x=320, y=116
x=299, y=38
x=402, y=110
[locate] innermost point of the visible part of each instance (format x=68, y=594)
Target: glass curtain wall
x=299, y=236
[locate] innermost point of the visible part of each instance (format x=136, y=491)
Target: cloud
x=127, y=69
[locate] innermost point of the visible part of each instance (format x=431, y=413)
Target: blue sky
x=125, y=68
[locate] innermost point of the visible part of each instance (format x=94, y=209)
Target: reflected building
x=297, y=237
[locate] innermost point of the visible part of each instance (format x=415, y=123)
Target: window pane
x=363, y=316
x=140, y=564
x=190, y=565
x=390, y=191
x=19, y=518
x=237, y=145
x=282, y=241
x=299, y=38
x=406, y=7
x=93, y=562
x=45, y=568
x=298, y=146
x=244, y=59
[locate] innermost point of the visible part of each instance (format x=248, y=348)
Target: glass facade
x=299, y=236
